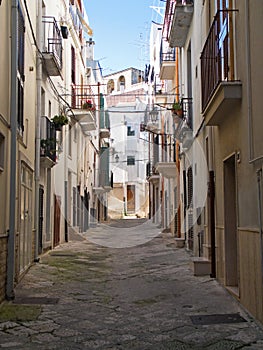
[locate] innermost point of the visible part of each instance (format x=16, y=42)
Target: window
x=110, y=86
x=190, y=188
x=130, y=160
x=121, y=83
x=2, y=152
x=70, y=141
x=73, y=65
x=20, y=70
x=130, y=132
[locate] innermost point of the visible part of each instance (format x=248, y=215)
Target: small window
x=70, y=141
x=2, y=152
x=130, y=160
x=130, y=132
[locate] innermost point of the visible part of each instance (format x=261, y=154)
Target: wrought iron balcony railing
x=177, y=19
x=83, y=98
x=168, y=56
x=217, y=57
x=150, y=170
x=52, y=51
x=48, y=139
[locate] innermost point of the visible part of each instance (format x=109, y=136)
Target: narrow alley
x=84, y=295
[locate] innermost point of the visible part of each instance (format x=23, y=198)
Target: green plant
x=177, y=109
x=176, y=106
x=60, y=120
x=48, y=145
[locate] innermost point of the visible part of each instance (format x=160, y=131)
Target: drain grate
x=216, y=319
x=36, y=300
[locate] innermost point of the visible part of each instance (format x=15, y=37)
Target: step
x=200, y=266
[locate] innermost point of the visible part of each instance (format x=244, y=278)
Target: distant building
x=128, y=145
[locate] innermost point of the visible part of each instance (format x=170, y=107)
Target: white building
x=128, y=145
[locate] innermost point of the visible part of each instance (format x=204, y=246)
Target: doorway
x=230, y=223
x=130, y=199
x=40, y=219
x=57, y=214
x=25, y=235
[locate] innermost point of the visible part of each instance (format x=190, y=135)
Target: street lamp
x=154, y=113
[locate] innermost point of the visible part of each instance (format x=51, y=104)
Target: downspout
x=13, y=126
x=178, y=147
x=211, y=195
x=259, y=179
x=65, y=149
x=211, y=202
x=37, y=126
x=249, y=80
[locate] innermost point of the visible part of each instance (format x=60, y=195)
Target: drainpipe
x=13, y=126
x=37, y=126
x=211, y=196
x=259, y=179
x=178, y=147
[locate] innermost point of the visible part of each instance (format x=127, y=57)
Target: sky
x=121, y=30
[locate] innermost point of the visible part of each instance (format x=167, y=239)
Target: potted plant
x=59, y=120
x=88, y=105
x=177, y=109
x=48, y=147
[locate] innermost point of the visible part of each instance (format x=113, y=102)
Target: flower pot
x=178, y=112
x=58, y=127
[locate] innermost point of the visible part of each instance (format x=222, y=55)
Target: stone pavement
x=83, y=295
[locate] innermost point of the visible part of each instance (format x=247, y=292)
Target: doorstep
x=200, y=266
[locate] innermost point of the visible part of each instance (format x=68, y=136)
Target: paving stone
x=10, y=345
x=135, y=298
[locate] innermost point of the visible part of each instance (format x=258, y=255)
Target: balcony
x=84, y=107
x=167, y=169
x=221, y=92
x=167, y=64
x=152, y=122
x=48, y=153
x=178, y=18
x=151, y=173
x=105, y=176
x=104, y=124
x=52, y=52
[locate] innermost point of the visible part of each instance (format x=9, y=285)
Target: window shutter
x=190, y=188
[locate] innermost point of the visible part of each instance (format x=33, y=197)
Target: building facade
x=52, y=130
x=219, y=139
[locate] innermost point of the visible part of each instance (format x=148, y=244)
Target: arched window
x=110, y=86
x=121, y=83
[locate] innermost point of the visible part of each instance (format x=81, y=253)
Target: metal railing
x=53, y=39
x=169, y=14
x=48, y=139
x=168, y=56
x=150, y=170
x=83, y=97
x=217, y=57
x=187, y=105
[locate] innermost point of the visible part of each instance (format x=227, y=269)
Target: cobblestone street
x=87, y=296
